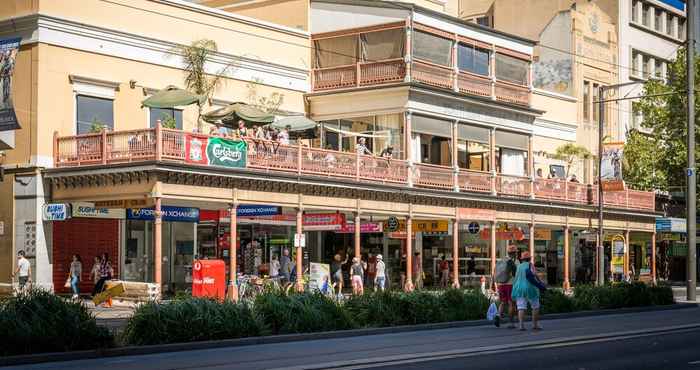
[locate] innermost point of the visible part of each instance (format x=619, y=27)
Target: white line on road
x=694, y=362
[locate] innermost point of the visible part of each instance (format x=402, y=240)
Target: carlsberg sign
x=227, y=153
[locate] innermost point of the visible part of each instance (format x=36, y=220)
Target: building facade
x=430, y=134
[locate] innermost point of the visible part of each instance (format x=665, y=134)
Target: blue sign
x=173, y=214
x=670, y=224
x=252, y=210
x=473, y=228
x=55, y=212
x=678, y=4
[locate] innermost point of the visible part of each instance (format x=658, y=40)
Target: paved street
x=585, y=338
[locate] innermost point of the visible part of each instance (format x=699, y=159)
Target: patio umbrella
x=171, y=97
x=296, y=123
x=238, y=111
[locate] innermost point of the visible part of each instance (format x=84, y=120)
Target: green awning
x=296, y=123
x=231, y=113
x=171, y=97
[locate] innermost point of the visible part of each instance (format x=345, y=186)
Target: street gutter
x=285, y=338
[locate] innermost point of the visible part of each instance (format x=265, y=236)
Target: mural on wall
x=553, y=67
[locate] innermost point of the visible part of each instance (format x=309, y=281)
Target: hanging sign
x=300, y=240
x=88, y=210
x=226, y=152
x=8, y=54
x=611, y=167
x=365, y=227
x=123, y=203
x=196, y=149
x=55, y=212
x=392, y=224
x=323, y=221
x=478, y=214
x=473, y=228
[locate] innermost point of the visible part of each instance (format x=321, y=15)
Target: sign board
x=323, y=221
x=252, y=210
x=671, y=224
x=473, y=228
x=300, y=240
x=209, y=279
x=544, y=234
x=424, y=226
x=611, y=166
x=226, y=152
x=196, y=149
x=515, y=234
x=476, y=214
x=55, y=212
x=613, y=185
x=319, y=277
x=88, y=210
x=172, y=214
x=365, y=227
x=9, y=48
x=618, y=256
x=124, y=203
x=670, y=236
x=392, y=224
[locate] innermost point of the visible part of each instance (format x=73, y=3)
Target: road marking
x=694, y=363
x=367, y=363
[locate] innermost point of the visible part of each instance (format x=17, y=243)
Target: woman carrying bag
x=76, y=269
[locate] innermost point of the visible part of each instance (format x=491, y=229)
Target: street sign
x=392, y=224
x=473, y=228
x=299, y=240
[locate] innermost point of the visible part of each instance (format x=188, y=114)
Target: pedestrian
x=23, y=272
x=105, y=272
x=380, y=277
x=337, y=271
x=526, y=289
x=95, y=271
x=361, y=147
x=274, y=267
x=504, y=274
x=286, y=265
x=403, y=269
x=444, y=272
x=471, y=266
x=357, y=272
x=417, y=271
x=371, y=270
x=76, y=270
x=241, y=131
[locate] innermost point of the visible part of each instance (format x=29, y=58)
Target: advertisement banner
x=55, y=212
x=319, y=277
x=196, y=149
x=365, y=227
x=226, y=152
x=209, y=279
x=612, y=166
x=618, y=256
x=88, y=210
x=323, y=221
x=173, y=214
x=8, y=55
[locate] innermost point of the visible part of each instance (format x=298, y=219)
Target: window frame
x=92, y=88
x=527, y=69
x=474, y=48
x=586, y=96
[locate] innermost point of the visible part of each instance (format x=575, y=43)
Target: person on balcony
x=241, y=131
x=283, y=136
x=539, y=173
x=361, y=147
x=387, y=153
x=259, y=133
x=574, y=179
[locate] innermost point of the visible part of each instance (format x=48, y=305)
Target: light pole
x=690, y=200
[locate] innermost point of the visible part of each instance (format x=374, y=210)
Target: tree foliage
x=660, y=159
x=570, y=152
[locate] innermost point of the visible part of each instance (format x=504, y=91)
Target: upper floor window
x=646, y=10
x=658, y=16
x=432, y=48
x=473, y=59
x=586, y=100
x=512, y=69
x=681, y=29
x=335, y=52
x=484, y=21
x=669, y=24
x=93, y=113
x=635, y=5
x=594, y=103
x=168, y=117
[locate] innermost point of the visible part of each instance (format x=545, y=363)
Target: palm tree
x=570, y=152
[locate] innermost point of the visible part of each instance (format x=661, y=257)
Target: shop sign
x=515, y=234
x=195, y=149
x=618, y=255
x=55, y=212
x=670, y=236
x=543, y=234
x=400, y=235
x=365, y=227
x=392, y=224
x=252, y=210
x=671, y=224
x=172, y=214
x=123, y=203
x=226, y=153
x=319, y=277
x=477, y=214
x=425, y=226
x=88, y=210
x=473, y=228
x=323, y=221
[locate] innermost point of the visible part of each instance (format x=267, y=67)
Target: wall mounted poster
x=8, y=55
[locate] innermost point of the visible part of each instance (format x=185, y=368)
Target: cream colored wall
x=290, y=13
x=24, y=97
x=18, y=8
x=525, y=18
x=57, y=101
x=471, y=8
x=182, y=25
x=556, y=109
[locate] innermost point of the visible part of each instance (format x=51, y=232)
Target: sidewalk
x=679, y=294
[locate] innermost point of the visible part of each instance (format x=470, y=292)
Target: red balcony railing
x=432, y=74
x=335, y=77
x=386, y=71
x=512, y=93
x=169, y=145
x=470, y=83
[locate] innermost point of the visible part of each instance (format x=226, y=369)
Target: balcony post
x=653, y=257
x=299, y=158
x=531, y=242
x=492, y=155
x=455, y=67
x=233, y=257
x=408, y=285
x=492, y=267
x=567, y=284
x=55, y=149
x=455, y=253
x=159, y=143
x=299, y=250
x=103, y=138
x=408, y=54
x=409, y=149
x=492, y=66
x=455, y=153
x=531, y=167
x=157, y=243
x=626, y=258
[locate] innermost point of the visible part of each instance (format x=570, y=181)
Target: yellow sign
x=124, y=203
x=543, y=234
x=425, y=226
x=670, y=236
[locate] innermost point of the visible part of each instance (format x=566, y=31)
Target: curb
x=285, y=338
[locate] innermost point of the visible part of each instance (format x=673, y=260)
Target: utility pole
x=690, y=201
x=601, y=250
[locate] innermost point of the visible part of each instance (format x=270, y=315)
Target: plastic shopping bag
x=492, y=312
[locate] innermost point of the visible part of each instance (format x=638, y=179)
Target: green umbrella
x=238, y=111
x=296, y=123
x=171, y=97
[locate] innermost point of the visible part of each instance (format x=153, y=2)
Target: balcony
x=170, y=146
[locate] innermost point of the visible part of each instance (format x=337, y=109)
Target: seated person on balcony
x=361, y=147
x=283, y=136
x=241, y=131
x=330, y=158
x=387, y=153
x=539, y=173
x=552, y=174
x=574, y=179
x=258, y=132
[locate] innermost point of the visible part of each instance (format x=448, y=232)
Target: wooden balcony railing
x=335, y=77
x=170, y=145
x=386, y=71
x=470, y=83
x=512, y=93
x=432, y=74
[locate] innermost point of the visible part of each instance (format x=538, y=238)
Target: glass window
x=586, y=100
x=669, y=24
x=473, y=147
x=635, y=4
x=645, y=15
x=383, y=45
x=659, y=68
x=595, y=102
x=635, y=66
x=512, y=161
x=511, y=69
x=484, y=21
x=169, y=117
x=92, y=112
x=658, y=14
x=645, y=66
x=432, y=48
x=511, y=140
x=473, y=59
x=681, y=29
x=335, y=52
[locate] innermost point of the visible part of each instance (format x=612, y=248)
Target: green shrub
x=555, y=301
x=189, y=320
x=378, y=309
x=301, y=313
x=619, y=295
x=39, y=321
x=460, y=305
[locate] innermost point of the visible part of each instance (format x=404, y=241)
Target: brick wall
x=87, y=237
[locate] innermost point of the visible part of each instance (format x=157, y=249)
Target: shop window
x=512, y=69
x=335, y=52
x=432, y=48
x=383, y=45
x=92, y=112
x=473, y=59
x=167, y=117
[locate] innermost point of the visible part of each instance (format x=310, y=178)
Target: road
x=658, y=340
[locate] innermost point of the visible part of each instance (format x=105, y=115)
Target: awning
x=171, y=97
x=350, y=133
x=296, y=123
x=238, y=111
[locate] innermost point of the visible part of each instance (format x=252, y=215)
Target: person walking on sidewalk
x=504, y=275
x=357, y=272
x=23, y=272
x=526, y=289
x=105, y=271
x=444, y=272
x=76, y=270
x=380, y=277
